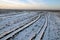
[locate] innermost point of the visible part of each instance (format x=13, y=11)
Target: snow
x=15, y=18
x=29, y=32
x=18, y=22
x=53, y=30
x=11, y=21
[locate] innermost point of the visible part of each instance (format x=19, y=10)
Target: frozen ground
x=30, y=32
x=11, y=22
x=53, y=29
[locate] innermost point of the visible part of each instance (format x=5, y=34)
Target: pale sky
x=30, y=4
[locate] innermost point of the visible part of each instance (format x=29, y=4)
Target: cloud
x=10, y=1
x=27, y=4
x=22, y=1
x=24, y=4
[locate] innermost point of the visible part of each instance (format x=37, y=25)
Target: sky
x=30, y=4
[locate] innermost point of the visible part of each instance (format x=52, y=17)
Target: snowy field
x=30, y=25
x=53, y=29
